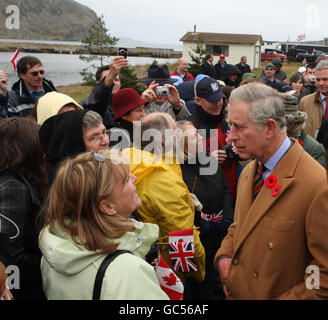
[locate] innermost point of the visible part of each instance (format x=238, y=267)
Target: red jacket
x=187, y=77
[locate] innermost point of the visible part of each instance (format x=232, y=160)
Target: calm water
x=63, y=69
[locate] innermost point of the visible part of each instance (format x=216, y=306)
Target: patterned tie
x=258, y=180
x=326, y=113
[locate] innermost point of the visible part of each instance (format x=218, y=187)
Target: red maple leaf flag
x=168, y=281
x=14, y=58
x=171, y=280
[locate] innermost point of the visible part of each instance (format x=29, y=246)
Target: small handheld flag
x=14, y=58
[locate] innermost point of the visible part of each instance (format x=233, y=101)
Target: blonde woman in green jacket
x=88, y=216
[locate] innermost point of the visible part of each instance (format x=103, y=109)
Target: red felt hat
x=125, y=100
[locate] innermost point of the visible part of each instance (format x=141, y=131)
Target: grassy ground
x=79, y=92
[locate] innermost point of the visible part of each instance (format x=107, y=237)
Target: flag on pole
x=182, y=256
x=14, y=58
x=301, y=37
x=185, y=235
x=181, y=250
x=168, y=281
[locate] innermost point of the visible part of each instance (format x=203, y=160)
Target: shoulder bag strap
x=101, y=272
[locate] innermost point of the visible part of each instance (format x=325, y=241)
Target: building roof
x=219, y=38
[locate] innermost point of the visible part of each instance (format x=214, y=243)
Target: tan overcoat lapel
x=264, y=201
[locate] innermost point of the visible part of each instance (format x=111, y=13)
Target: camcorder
x=122, y=52
x=162, y=91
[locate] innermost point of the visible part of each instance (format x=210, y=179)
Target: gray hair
x=265, y=104
x=91, y=119
x=322, y=65
x=155, y=129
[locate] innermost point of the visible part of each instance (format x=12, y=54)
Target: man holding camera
x=316, y=104
x=310, y=86
x=162, y=95
x=209, y=115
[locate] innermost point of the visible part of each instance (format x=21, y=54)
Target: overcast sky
x=165, y=22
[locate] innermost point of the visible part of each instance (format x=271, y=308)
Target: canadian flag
x=301, y=37
x=168, y=281
x=185, y=235
x=14, y=58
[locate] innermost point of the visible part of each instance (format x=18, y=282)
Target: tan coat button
x=255, y=274
x=270, y=245
x=235, y=261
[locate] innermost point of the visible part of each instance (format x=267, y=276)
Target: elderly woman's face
x=124, y=198
x=96, y=138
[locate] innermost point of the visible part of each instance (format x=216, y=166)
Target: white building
x=234, y=46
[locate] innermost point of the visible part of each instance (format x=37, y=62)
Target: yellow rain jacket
x=166, y=201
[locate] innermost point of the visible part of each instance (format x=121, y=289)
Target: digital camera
x=229, y=152
x=162, y=91
x=312, y=78
x=122, y=52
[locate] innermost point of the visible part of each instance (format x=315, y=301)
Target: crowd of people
x=99, y=185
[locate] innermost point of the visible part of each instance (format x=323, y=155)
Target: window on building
x=217, y=49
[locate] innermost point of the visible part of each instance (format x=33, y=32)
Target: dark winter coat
x=20, y=203
x=100, y=100
x=21, y=102
x=209, y=69
x=215, y=139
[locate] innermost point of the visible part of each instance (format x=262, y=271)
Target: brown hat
x=291, y=107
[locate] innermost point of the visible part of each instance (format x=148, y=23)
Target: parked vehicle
x=309, y=57
x=270, y=54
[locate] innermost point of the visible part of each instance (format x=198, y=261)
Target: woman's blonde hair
x=73, y=201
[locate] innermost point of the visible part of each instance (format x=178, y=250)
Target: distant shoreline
x=57, y=48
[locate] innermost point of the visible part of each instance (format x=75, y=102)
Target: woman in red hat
x=129, y=108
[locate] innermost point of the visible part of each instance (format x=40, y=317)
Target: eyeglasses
x=35, y=73
x=98, y=138
x=269, y=69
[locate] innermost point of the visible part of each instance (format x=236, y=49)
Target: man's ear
x=197, y=100
x=106, y=208
x=272, y=127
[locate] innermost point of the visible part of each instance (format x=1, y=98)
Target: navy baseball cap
x=209, y=89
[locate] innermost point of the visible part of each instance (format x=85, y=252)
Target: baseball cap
x=200, y=77
x=270, y=65
x=209, y=89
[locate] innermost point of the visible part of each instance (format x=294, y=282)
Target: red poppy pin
x=271, y=181
x=276, y=190
x=300, y=142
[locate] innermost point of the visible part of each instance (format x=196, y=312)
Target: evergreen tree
x=99, y=44
x=129, y=79
x=197, y=56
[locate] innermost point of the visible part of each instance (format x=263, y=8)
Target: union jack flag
x=182, y=256
x=214, y=217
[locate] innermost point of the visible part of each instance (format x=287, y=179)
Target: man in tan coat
x=278, y=236
x=315, y=104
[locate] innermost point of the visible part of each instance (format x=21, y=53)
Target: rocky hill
x=48, y=20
